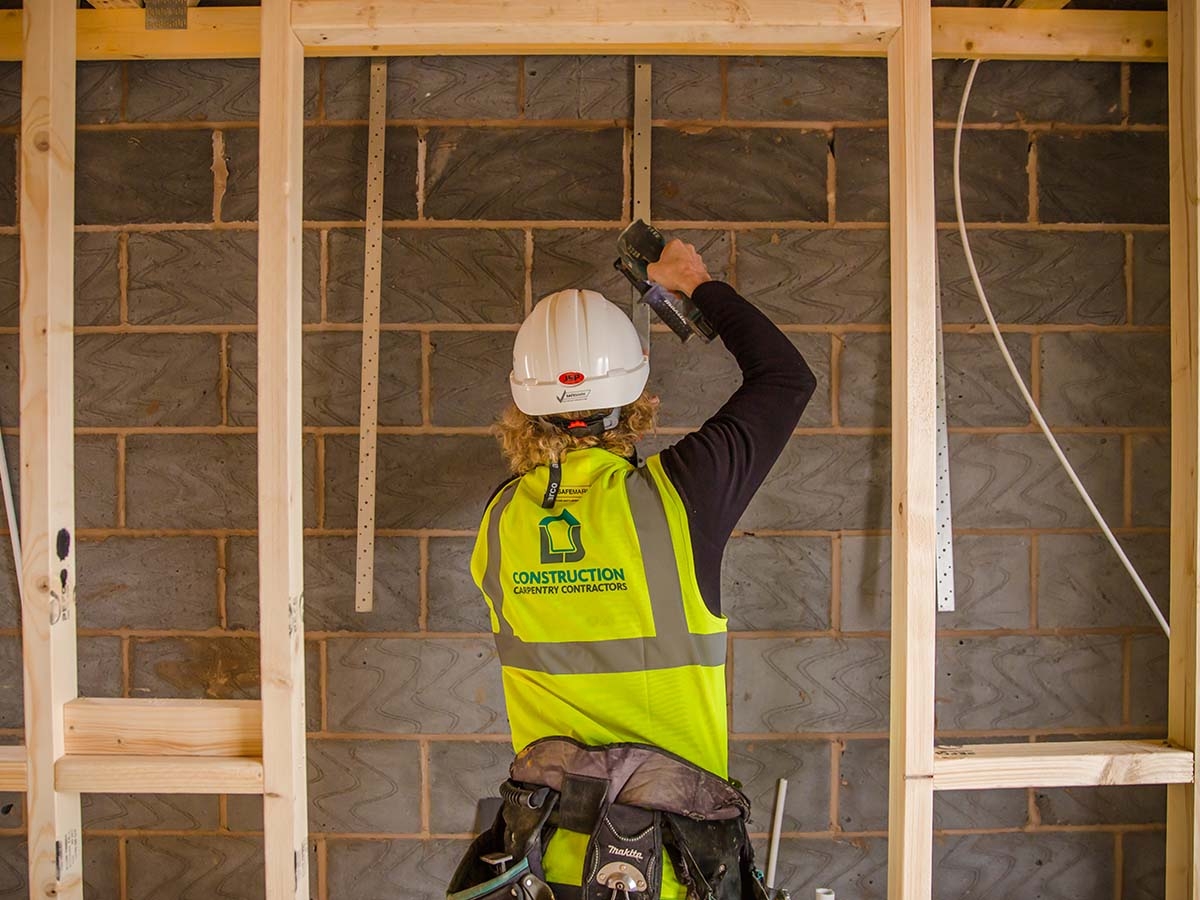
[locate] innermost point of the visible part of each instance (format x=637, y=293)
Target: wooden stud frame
x=75, y=745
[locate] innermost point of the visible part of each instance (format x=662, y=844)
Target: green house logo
x=562, y=539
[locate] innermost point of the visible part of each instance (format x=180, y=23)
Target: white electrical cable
x=10, y=510
x=1037, y=413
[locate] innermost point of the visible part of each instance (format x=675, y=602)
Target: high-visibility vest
x=600, y=627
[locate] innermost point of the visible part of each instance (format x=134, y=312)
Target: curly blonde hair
x=529, y=441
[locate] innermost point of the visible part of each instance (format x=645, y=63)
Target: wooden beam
x=406, y=27
x=1183, y=730
x=368, y=416
x=1069, y=764
x=1041, y=4
x=47, y=216
x=13, y=768
x=280, y=479
x=914, y=391
x=161, y=775
x=966, y=33
x=1067, y=34
x=154, y=727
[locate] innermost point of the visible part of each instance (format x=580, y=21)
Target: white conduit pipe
x=1012, y=367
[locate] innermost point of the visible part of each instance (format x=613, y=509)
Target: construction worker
x=602, y=577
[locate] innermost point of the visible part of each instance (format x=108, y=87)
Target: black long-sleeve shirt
x=718, y=468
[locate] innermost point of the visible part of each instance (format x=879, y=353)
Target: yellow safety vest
x=600, y=627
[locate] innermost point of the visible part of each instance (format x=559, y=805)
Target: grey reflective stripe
x=658, y=554
x=491, y=574
x=606, y=657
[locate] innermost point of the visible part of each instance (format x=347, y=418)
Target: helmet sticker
x=571, y=378
x=573, y=396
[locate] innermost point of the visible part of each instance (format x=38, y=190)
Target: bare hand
x=680, y=268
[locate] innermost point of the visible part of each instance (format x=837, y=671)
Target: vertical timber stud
x=914, y=389
x=280, y=484
x=1183, y=29
x=640, y=160
x=47, y=213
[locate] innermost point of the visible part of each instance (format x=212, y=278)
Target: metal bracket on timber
x=1030, y=32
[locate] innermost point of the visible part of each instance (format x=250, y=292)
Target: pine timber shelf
x=129, y=774
x=164, y=727
x=13, y=768
x=976, y=767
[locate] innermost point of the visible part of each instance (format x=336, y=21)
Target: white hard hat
x=576, y=351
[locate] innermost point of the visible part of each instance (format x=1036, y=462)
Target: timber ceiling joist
x=761, y=27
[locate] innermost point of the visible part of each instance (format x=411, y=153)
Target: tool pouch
x=518, y=831
x=625, y=852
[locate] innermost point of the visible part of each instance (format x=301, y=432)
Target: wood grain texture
x=1070, y=764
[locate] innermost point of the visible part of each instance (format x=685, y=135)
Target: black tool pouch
x=624, y=854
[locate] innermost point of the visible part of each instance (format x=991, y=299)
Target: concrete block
x=566, y=258
x=97, y=92
x=442, y=275
x=1020, y=91
x=1014, y=480
x=1152, y=278
x=995, y=185
x=865, y=378
x=810, y=685
x=1129, y=805
x=101, y=868
x=1148, y=680
x=10, y=276
x=398, y=686
x=423, y=481
x=223, y=668
x=335, y=158
x=11, y=683
x=10, y=382
x=147, y=379
x=8, y=180
x=1148, y=93
x=1082, y=583
x=207, y=277
x=150, y=812
x=461, y=773
x=329, y=585
x=692, y=380
x=99, y=667
x=1010, y=683
x=820, y=277
x=1143, y=865
x=363, y=786
x=12, y=810
x=863, y=790
x=980, y=390
x=1110, y=176
x=360, y=869
x=1106, y=379
x=151, y=582
x=468, y=373
x=10, y=602
x=578, y=87
x=852, y=868
x=1036, y=277
x=193, y=90
x=194, y=868
x=426, y=87
x=777, y=583
x=826, y=482
x=140, y=176
x=14, y=867
x=991, y=583
x=686, y=87
x=97, y=280
x=740, y=174
x=759, y=765
x=821, y=89
x=95, y=481
x=1151, y=479
x=523, y=173
x=332, y=363
x=455, y=603
x=1012, y=864
x=191, y=481
x=10, y=93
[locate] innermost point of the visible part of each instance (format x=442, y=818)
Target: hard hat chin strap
x=588, y=426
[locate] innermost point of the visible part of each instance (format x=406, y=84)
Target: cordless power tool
x=639, y=245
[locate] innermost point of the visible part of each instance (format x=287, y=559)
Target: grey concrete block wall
x=505, y=181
